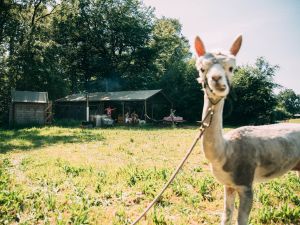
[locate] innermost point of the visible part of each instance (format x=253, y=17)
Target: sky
x=270, y=28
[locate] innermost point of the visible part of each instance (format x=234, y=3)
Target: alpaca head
x=216, y=69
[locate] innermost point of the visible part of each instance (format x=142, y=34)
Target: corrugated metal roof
x=111, y=96
x=29, y=96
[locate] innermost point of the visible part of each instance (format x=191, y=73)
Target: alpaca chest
x=222, y=176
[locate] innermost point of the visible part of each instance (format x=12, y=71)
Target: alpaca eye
x=202, y=70
x=230, y=69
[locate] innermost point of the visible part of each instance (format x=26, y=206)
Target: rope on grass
x=202, y=129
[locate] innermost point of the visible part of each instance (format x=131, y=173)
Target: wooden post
x=87, y=107
x=48, y=113
x=145, y=117
x=123, y=111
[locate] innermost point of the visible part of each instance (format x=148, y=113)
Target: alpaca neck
x=213, y=141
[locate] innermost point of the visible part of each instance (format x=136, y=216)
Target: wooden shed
x=29, y=107
x=153, y=103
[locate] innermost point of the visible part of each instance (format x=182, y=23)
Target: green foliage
x=280, y=113
x=168, y=42
x=103, y=39
x=255, y=100
x=75, y=45
x=70, y=46
x=206, y=186
x=121, y=218
x=8, y=28
x=289, y=102
x=11, y=199
x=136, y=175
x=285, y=211
x=72, y=171
x=159, y=218
x=179, y=83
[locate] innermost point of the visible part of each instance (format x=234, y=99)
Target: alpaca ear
x=236, y=45
x=199, y=46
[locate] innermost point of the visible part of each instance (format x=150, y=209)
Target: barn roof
x=29, y=96
x=112, y=96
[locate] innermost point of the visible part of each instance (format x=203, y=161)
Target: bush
x=255, y=100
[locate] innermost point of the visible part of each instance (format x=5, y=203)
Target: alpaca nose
x=216, y=78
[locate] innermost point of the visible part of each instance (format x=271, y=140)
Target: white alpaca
x=246, y=154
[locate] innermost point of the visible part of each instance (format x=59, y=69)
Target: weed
x=163, y=202
x=135, y=174
x=179, y=188
x=11, y=199
x=72, y=171
x=198, y=169
x=79, y=216
x=159, y=218
x=263, y=196
x=150, y=188
x=120, y=218
x=283, y=214
x=81, y=203
x=98, y=188
x=206, y=186
x=50, y=202
x=194, y=200
x=5, y=163
x=25, y=163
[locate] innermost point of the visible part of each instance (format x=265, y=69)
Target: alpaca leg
x=246, y=199
x=229, y=196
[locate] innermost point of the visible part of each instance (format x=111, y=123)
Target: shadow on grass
x=29, y=139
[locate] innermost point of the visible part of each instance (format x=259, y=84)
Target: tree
x=8, y=29
x=103, y=40
x=69, y=46
x=288, y=101
x=169, y=44
x=27, y=60
x=174, y=71
x=253, y=87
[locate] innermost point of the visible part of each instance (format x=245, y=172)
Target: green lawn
x=294, y=121
x=57, y=175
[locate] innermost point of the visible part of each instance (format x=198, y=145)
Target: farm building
x=29, y=107
x=153, y=103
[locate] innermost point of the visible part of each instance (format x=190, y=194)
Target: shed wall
x=29, y=113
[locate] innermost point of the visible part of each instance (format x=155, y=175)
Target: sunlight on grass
x=20, y=143
x=294, y=120
x=56, y=175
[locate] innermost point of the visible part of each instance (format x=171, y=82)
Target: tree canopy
x=288, y=103
x=69, y=46
x=254, y=99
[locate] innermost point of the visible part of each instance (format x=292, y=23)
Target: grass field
x=56, y=175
